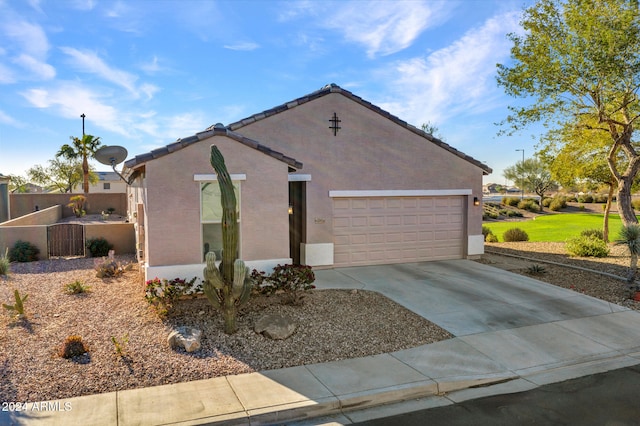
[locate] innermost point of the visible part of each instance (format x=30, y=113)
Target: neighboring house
x=326, y=180
x=108, y=182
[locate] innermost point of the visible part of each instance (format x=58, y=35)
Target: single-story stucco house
x=326, y=180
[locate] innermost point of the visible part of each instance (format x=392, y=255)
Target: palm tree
x=630, y=237
x=81, y=148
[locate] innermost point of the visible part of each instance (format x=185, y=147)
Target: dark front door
x=297, y=219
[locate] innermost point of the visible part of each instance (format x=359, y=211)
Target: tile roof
x=215, y=130
x=334, y=88
x=230, y=131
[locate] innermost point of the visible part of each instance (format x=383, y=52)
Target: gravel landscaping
x=332, y=325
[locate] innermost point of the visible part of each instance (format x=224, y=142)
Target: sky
x=147, y=72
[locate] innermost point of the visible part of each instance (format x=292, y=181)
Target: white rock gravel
x=333, y=325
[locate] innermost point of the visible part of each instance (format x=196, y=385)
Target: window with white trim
x=211, y=216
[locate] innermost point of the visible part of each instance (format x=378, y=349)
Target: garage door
x=382, y=230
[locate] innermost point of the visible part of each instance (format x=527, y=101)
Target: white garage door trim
x=408, y=228
x=400, y=193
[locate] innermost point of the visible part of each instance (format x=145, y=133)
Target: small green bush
x=635, y=204
x=547, y=202
x=597, y=233
x=529, y=205
x=513, y=213
x=98, y=247
x=486, y=231
x=23, y=251
x=556, y=205
x=491, y=238
x=586, y=198
x=515, y=234
x=590, y=246
x=292, y=280
x=510, y=201
x=76, y=287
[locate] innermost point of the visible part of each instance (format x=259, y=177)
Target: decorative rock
x=187, y=337
x=275, y=326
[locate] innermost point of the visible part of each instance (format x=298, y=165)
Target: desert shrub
x=291, y=280
x=547, y=202
x=597, y=233
x=600, y=198
x=23, y=251
x=486, y=231
x=77, y=205
x=515, y=234
x=107, y=268
x=490, y=215
x=510, y=201
x=586, y=198
x=5, y=263
x=164, y=293
x=529, y=205
x=98, y=247
x=635, y=204
x=72, y=347
x=491, y=238
x=556, y=205
x=590, y=246
x=76, y=287
x=513, y=213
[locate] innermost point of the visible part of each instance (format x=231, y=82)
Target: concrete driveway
x=466, y=297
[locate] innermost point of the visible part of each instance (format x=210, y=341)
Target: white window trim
x=400, y=193
x=209, y=177
x=299, y=178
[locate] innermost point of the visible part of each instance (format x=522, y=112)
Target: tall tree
x=60, y=175
x=575, y=155
x=532, y=175
x=84, y=149
x=18, y=184
x=579, y=61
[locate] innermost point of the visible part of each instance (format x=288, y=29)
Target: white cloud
x=70, y=99
x=243, y=46
x=37, y=68
x=90, y=62
x=383, y=28
x=457, y=79
x=8, y=120
x=29, y=38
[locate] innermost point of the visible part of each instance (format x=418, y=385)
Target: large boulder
x=186, y=337
x=275, y=326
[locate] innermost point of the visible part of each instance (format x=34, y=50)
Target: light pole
x=521, y=179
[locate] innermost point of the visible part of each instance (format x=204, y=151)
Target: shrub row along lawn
x=558, y=227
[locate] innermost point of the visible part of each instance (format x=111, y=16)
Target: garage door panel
x=378, y=230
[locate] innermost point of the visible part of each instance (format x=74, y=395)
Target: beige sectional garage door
x=381, y=230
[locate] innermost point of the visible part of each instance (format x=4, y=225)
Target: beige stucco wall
x=120, y=235
x=36, y=235
x=41, y=217
x=173, y=227
x=370, y=152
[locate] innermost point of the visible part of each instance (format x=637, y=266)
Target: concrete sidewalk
x=513, y=333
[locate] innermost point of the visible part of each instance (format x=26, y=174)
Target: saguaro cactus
x=229, y=286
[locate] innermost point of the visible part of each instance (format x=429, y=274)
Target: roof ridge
x=334, y=88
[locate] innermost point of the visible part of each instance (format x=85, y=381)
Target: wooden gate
x=65, y=239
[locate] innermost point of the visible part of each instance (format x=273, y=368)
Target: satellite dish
x=111, y=155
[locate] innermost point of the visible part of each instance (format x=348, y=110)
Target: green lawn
x=558, y=227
